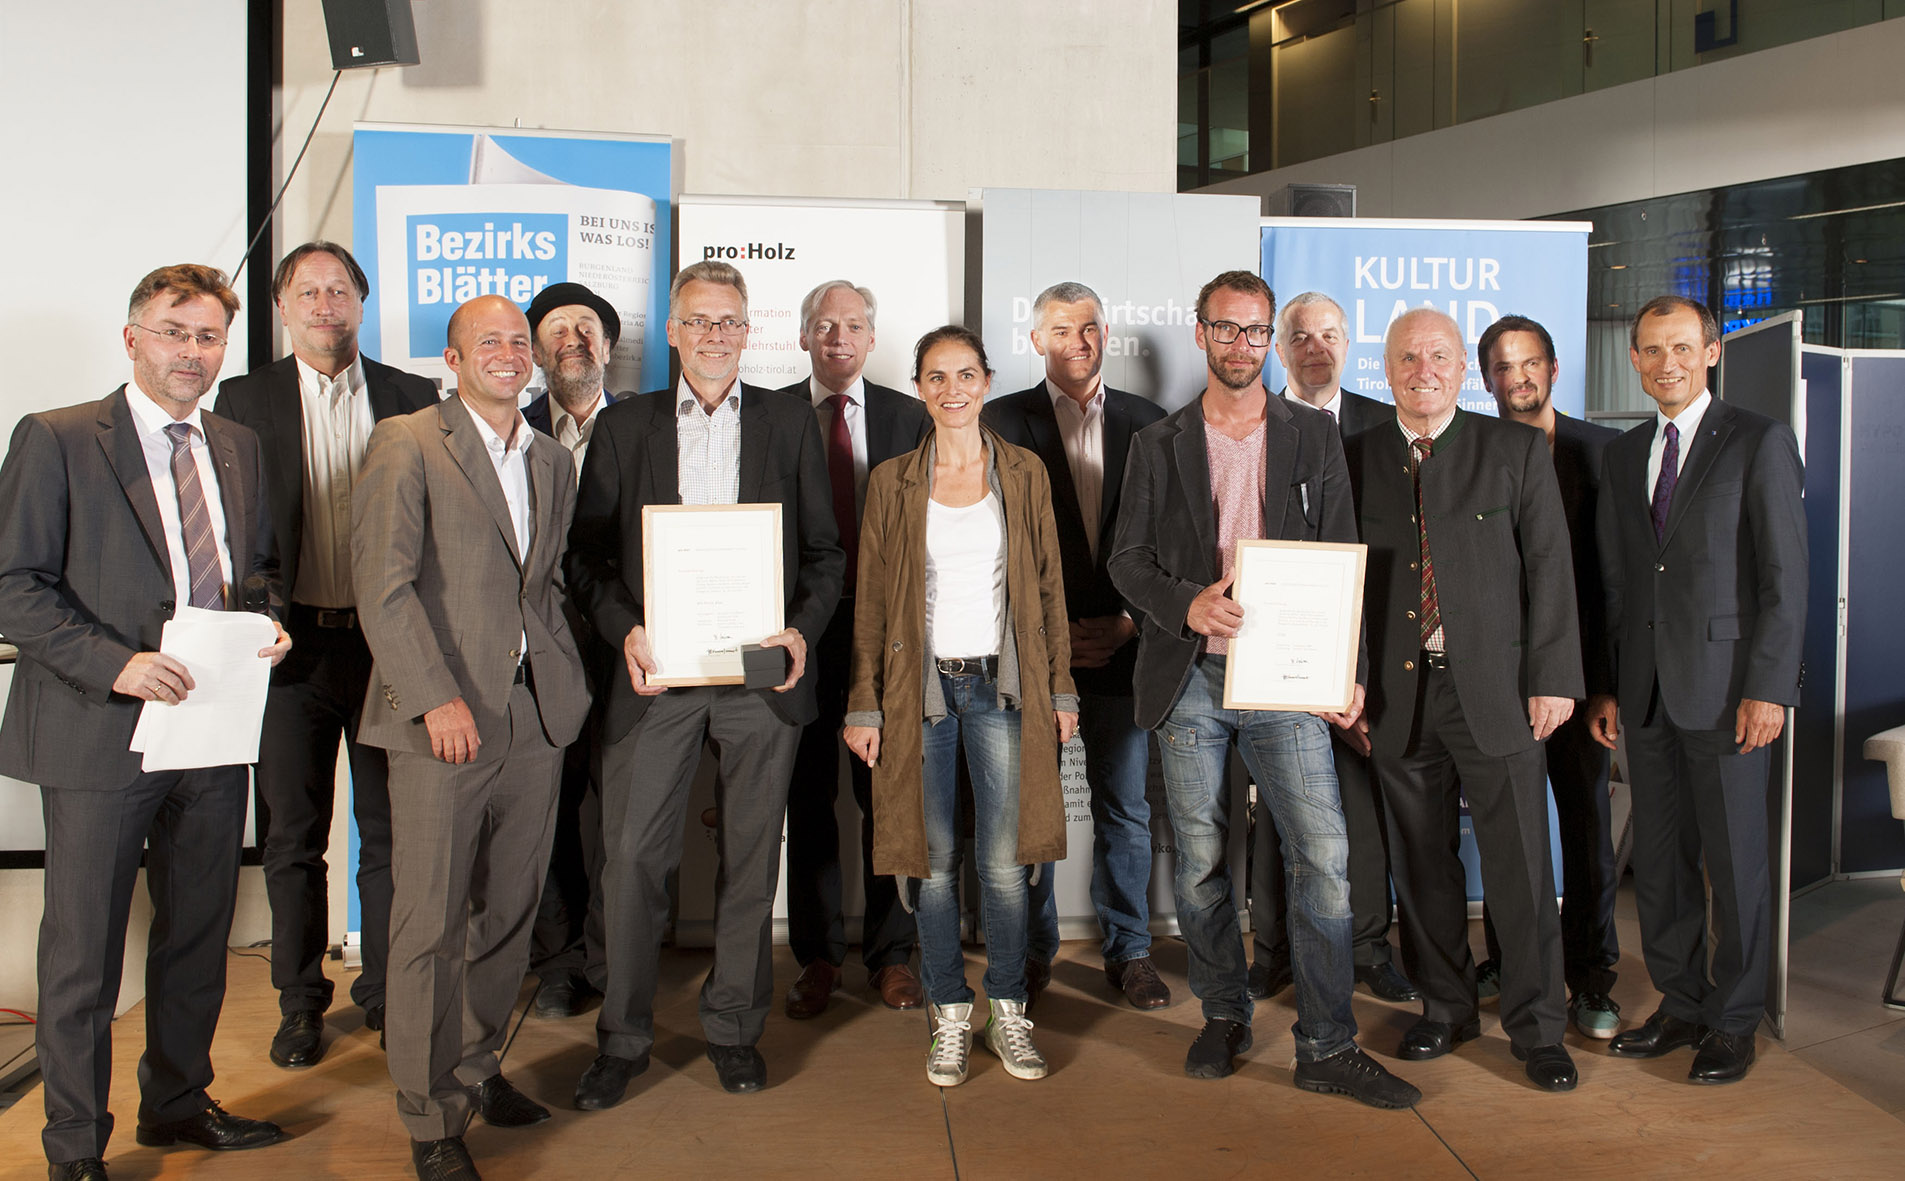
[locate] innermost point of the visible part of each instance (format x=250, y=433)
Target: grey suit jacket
x=444, y=596
x=1166, y=550
x=1503, y=575
x=1716, y=610
x=1357, y=413
x=85, y=581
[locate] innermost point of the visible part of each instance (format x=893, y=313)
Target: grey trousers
x=469, y=848
x=645, y=780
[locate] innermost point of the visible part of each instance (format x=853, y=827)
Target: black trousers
x=315, y=698
x=1697, y=798
x=1368, y=869
x=1578, y=775
x=568, y=931
x=815, y=928
x=1508, y=805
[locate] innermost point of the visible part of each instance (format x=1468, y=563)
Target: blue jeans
x=991, y=737
x=1117, y=759
x=1288, y=754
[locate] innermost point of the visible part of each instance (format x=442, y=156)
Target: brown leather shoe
x=1140, y=982
x=898, y=987
x=808, y=997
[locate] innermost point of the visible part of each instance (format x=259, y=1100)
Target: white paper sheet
x=218, y=722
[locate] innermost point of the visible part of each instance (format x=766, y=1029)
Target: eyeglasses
x=1224, y=332
x=701, y=325
x=177, y=339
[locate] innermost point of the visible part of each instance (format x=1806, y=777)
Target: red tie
x=840, y=471
x=1431, y=614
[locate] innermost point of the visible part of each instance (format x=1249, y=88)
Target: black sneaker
x=1359, y=1076
x=1211, y=1054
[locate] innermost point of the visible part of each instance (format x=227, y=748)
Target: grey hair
x=1307, y=299
x=811, y=304
x=707, y=272
x=1066, y=292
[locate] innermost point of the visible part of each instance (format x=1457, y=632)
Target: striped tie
x=1431, y=614
x=195, y=523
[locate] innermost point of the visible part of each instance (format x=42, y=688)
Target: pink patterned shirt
x=1236, y=489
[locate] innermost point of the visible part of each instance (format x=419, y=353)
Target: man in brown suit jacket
x=475, y=690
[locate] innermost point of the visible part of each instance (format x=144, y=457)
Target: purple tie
x=195, y=523
x=1663, y=484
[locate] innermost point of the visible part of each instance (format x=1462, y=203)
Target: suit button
x=1412, y=565
x=1650, y=625
x=1660, y=568
x=1408, y=666
x=897, y=645
x=515, y=655
x=1409, y=614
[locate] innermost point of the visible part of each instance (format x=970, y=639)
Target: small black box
x=765, y=667
x=370, y=33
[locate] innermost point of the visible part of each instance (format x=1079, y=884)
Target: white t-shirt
x=965, y=577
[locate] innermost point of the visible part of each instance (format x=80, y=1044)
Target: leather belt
x=1435, y=659
x=332, y=617
x=969, y=666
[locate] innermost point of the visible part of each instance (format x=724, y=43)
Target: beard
x=1524, y=401
x=574, y=385
x=1236, y=383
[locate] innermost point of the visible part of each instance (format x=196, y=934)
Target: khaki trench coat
x=889, y=634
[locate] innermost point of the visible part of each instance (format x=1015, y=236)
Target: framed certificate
x=1303, y=613
x=711, y=582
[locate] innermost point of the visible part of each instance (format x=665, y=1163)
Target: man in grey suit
x=1474, y=659
x=1703, y=548
x=118, y=512
x=711, y=440
x=1312, y=342
x=461, y=515
x=313, y=412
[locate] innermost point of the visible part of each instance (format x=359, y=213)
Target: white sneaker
x=1009, y=1035
x=952, y=1045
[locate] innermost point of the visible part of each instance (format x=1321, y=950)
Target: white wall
x=1823, y=103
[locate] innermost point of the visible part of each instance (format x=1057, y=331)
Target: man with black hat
x=572, y=333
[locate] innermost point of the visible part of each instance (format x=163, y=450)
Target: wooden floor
x=847, y=1097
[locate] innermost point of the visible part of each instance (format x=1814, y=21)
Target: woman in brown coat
x=959, y=636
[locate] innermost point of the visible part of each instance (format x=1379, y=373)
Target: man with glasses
x=119, y=512
x=313, y=412
x=1236, y=464
x=712, y=440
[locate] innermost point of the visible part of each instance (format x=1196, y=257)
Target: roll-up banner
x=445, y=214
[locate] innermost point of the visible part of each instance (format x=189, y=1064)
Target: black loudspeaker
x=370, y=33
x=1311, y=201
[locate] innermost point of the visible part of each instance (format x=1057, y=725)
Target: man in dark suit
x=1081, y=428
x=864, y=425
x=475, y=691
x=1475, y=658
x=313, y=412
x=1312, y=343
x=712, y=440
x=1518, y=368
x=572, y=332
x=1703, y=547
x=1232, y=465
x=117, y=512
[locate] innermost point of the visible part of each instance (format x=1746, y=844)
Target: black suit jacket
x=1166, y=549
x=896, y=423
x=1503, y=575
x=1715, y=611
x=632, y=463
x=1579, y=451
x=599, y=661
x=267, y=401
x=86, y=582
x=1027, y=419
x=1356, y=413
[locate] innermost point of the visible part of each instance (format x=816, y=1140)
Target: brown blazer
x=889, y=646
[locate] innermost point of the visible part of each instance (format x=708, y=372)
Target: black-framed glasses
x=701, y=325
x=1226, y=331
x=177, y=339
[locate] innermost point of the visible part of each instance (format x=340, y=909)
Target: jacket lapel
x=664, y=460
x=465, y=445
x=1041, y=422
x=1117, y=443
x=755, y=443
x=542, y=499
x=1704, y=448
x=1193, y=470
x=1280, y=441
x=119, y=438
x=238, y=522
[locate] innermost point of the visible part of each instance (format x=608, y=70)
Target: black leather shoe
x=87, y=1168
x=1549, y=1067
x=1221, y=1040
x=1386, y=982
x=1265, y=982
x=1660, y=1034
x=299, y=1041
x=502, y=1106
x=374, y=1017
x=1428, y=1039
x=443, y=1160
x=1354, y=1073
x=1723, y=1058
x=563, y=995
x=213, y=1129
x=740, y=1068
x=606, y=1080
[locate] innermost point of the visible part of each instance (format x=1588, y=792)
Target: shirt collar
x=1435, y=429
x=493, y=442
x=1688, y=420
x=558, y=414
x=685, y=396
x=1092, y=405
x=352, y=377
x=856, y=393
x=151, y=418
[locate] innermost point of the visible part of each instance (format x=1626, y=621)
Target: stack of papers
x=218, y=722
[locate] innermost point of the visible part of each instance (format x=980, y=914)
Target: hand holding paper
x=226, y=658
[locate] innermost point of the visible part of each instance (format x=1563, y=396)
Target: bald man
x=476, y=688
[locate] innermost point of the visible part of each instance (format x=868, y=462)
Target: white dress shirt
x=708, y=447
x=337, y=426
x=512, y=471
x=572, y=434
x=1083, y=430
x=856, y=428
x=151, y=422
x=1689, y=425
